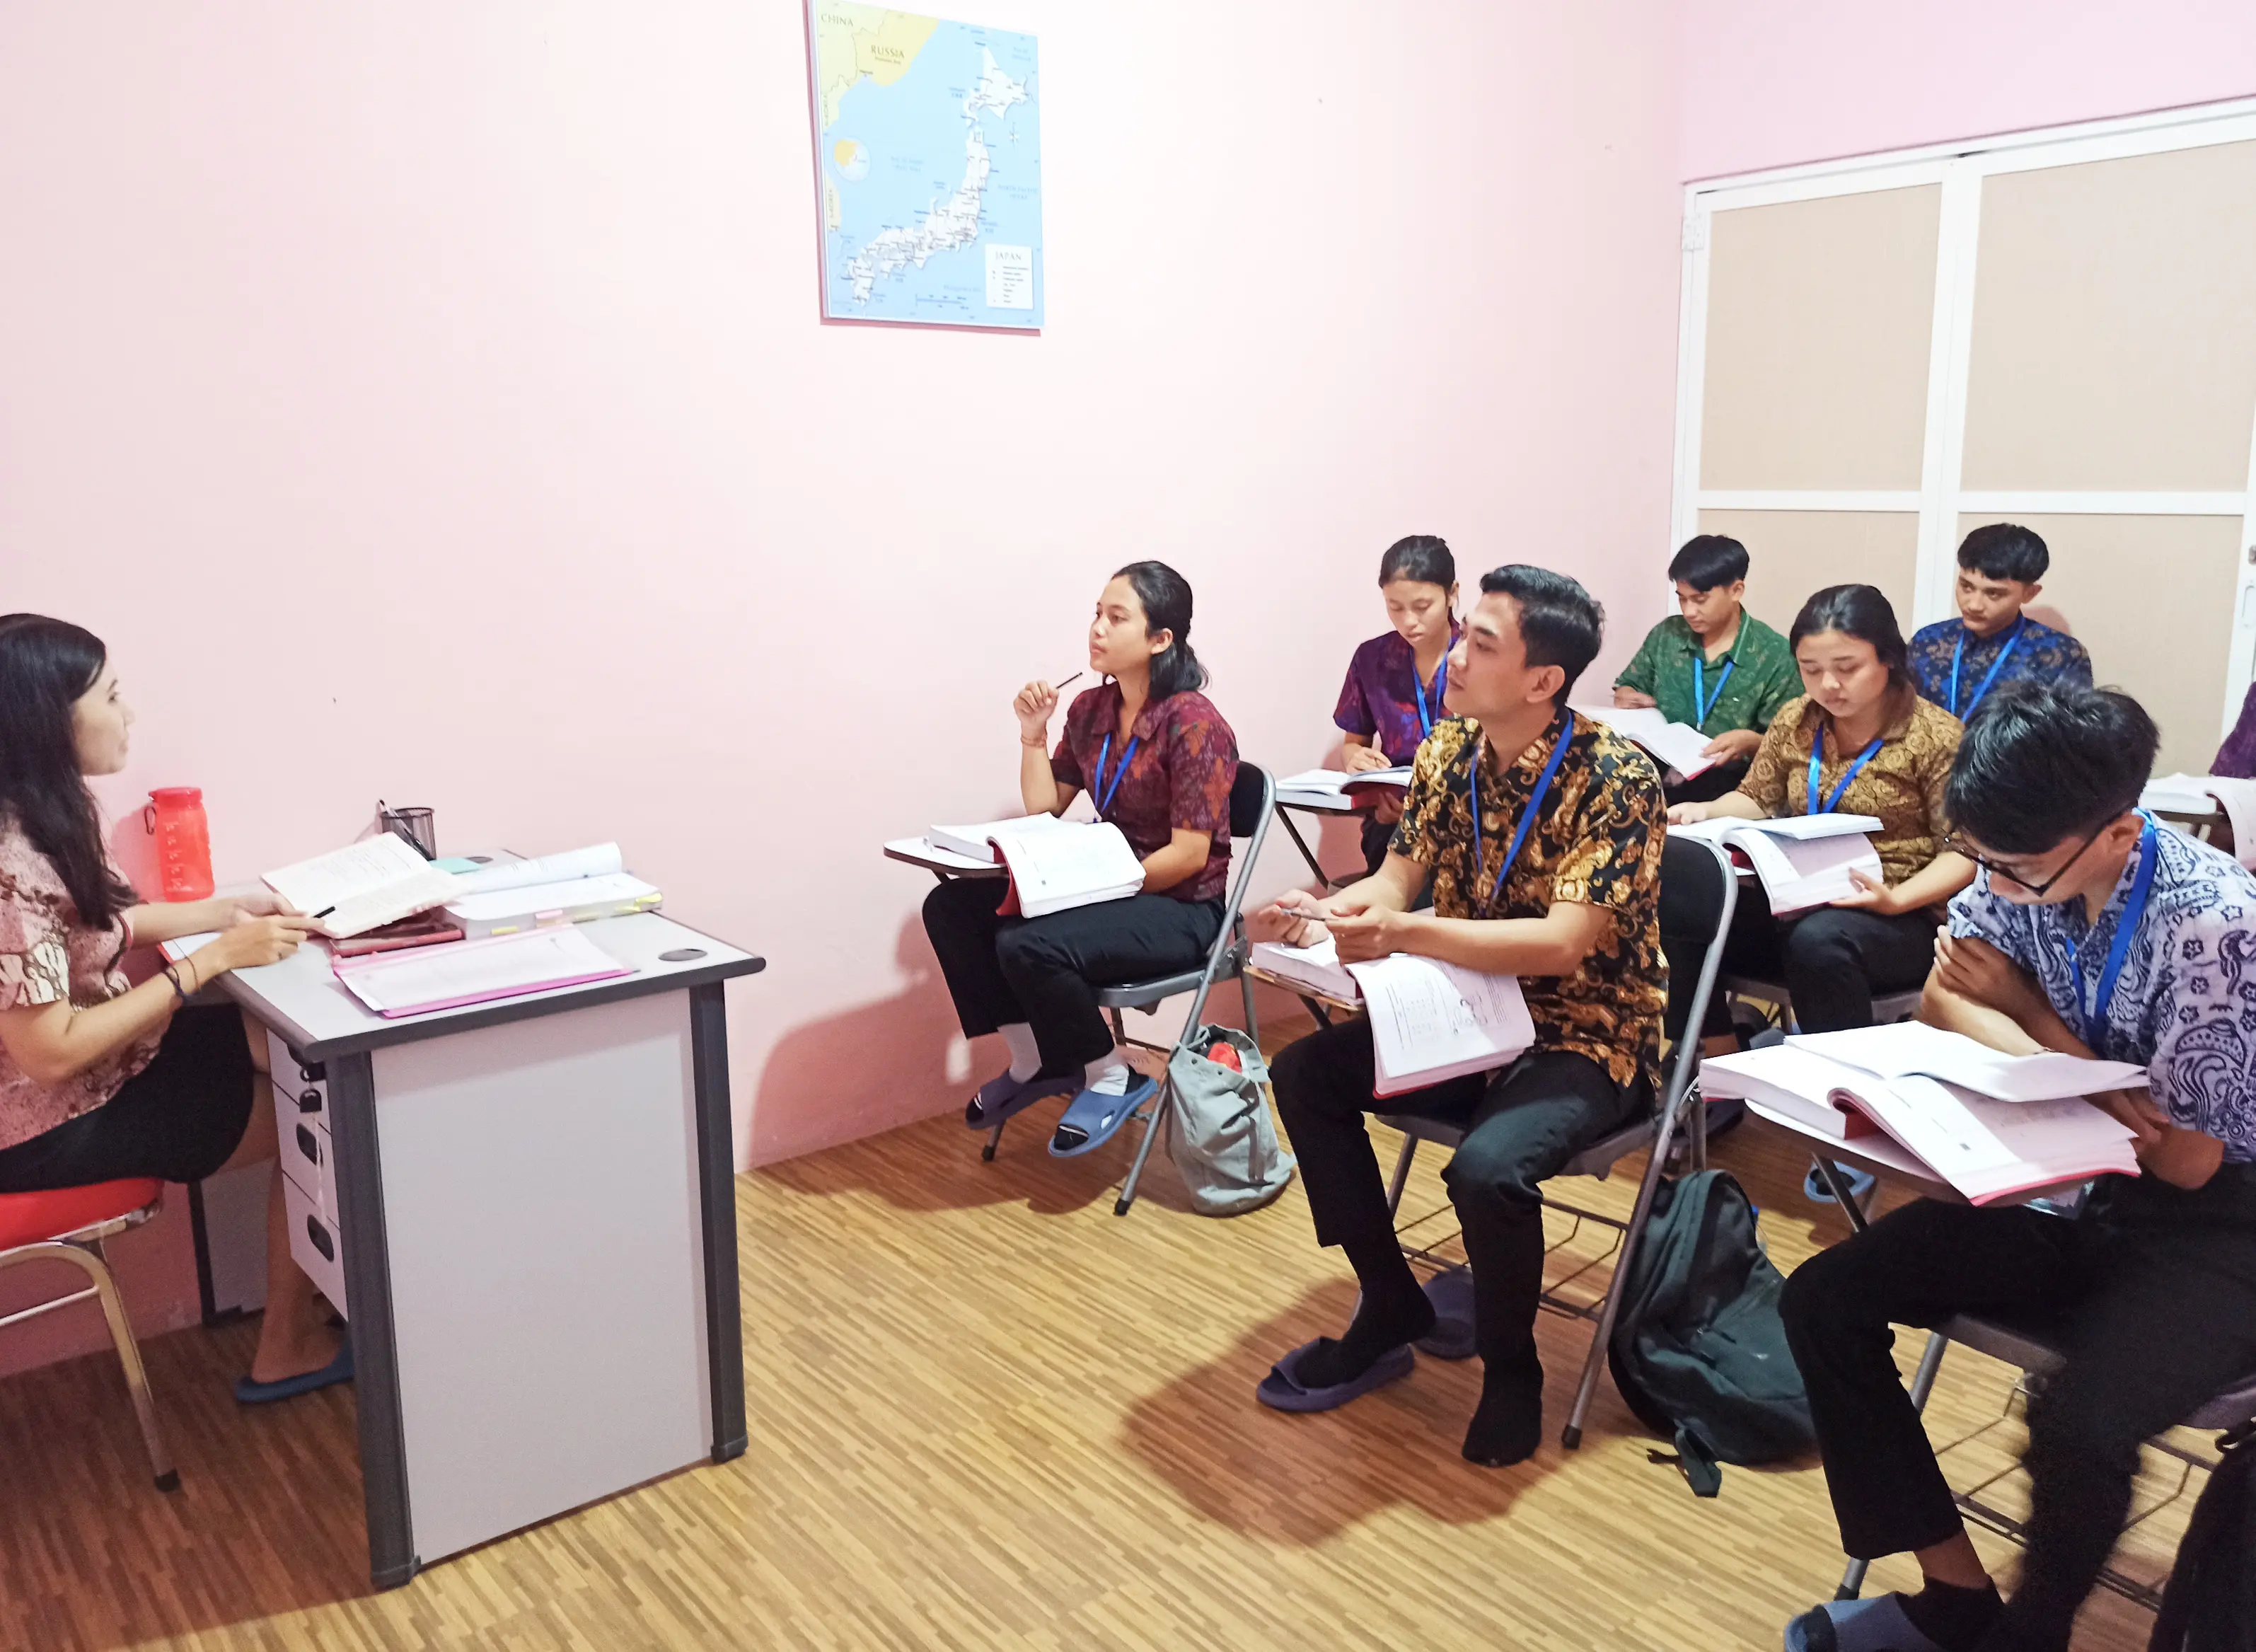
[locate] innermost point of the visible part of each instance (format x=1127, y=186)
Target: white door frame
x=1959, y=169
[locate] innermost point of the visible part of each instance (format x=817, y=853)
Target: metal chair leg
x=1401, y=1177
x=96, y=1267
x=1161, y=1099
x=1922, y=1384
x=994, y=1141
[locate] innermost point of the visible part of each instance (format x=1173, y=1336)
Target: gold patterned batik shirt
x=1596, y=843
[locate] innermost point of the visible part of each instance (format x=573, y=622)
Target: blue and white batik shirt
x=2185, y=1005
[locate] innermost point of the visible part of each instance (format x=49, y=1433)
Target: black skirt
x=179, y=1119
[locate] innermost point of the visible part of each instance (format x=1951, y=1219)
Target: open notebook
x=1336, y=788
x=1986, y=1148
x=572, y=887
x=376, y=881
x=977, y=842
x=394, y=984
x=1317, y=967
x=1676, y=745
x=1803, y=860
x=1429, y=1020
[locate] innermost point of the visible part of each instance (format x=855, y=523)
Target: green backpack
x=1698, y=1348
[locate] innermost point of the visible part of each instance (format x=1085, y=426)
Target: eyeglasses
x=1957, y=846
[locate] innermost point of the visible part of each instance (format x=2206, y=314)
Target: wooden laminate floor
x=986, y=1413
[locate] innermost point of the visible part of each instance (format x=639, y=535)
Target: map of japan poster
x=929, y=164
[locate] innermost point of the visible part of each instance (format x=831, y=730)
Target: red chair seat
x=28, y=1218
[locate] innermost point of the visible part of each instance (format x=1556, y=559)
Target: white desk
x=525, y=1211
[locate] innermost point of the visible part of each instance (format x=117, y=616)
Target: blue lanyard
x=1990, y=676
x=1440, y=682
x=1103, y=792
x=1700, y=703
x=1526, y=815
x=1810, y=804
x=2134, y=908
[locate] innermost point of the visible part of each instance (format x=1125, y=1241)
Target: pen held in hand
x=1060, y=688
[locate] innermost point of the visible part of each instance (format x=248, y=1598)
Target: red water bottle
x=174, y=816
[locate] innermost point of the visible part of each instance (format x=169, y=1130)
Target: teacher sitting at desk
x=1862, y=742
x=1392, y=696
x=101, y=1081
x=1159, y=762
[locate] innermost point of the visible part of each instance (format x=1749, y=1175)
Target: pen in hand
x=1059, y=688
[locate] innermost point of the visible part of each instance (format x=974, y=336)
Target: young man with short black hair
x=1712, y=665
x=1542, y=833
x=2092, y=931
x=1992, y=642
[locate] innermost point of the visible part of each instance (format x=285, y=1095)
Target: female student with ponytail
x=1159, y=762
x=101, y=1081
x=1392, y=696
x=1861, y=741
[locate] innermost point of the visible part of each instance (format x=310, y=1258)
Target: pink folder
x=445, y=977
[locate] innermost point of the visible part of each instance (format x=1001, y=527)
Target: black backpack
x=2211, y=1603
x=1698, y=1348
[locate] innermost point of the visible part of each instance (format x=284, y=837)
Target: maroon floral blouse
x=1185, y=763
x=48, y=956
x=1381, y=695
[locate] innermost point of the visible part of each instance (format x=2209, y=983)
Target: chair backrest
x=1699, y=892
x=1252, y=795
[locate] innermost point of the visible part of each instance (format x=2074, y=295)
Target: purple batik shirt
x=2237, y=756
x=1380, y=697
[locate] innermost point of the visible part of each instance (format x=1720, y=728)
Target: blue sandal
x=338, y=1370
x=1814, y=1187
x=1090, y=1119
x=1878, y=1625
x=1003, y=1097
x=1451, y=1293
x=1282, y=1390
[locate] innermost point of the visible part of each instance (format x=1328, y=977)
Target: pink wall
x=1773, y=82
x=428, y=400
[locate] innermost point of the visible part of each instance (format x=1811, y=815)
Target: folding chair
x=1698, y=894
x=1252, y=804
x=2037, y=1352
x=69, y=1224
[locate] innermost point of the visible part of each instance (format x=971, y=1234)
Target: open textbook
x=1429, y=1020
x=1986, y=1148
x=1675, y=746
x=1076, y=866
x=375, y=882
x=1803, y=860
x=977, y=842
x=2198, y=793
x=572, y=887
x=1336, y=788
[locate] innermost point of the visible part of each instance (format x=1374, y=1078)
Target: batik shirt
x=2042, y=653
x=48, y=956
x=1901, y=786
x=2237, y=756
x=1380, y=697
x=1180, y=773
x=1596, y=843
x=1762, y=675
x=2185, y=1004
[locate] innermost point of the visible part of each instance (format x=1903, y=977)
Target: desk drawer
x=316, y=1245
x=307, y=1083
x=307, y=1160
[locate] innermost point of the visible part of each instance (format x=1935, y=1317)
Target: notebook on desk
x=395, y=984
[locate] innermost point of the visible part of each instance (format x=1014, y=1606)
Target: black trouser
x=179, y=1119
x=1708, y=784
x=1521, y=1125
x=1045, y=971
x=2152, y=1293
x=1832, y=960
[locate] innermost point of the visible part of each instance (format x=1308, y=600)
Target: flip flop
x=1814, y=1187
x=1004, y=1097
x=1878, y=1625
x=1281, y=1391
x=1451, y=1293
x=338, y=1370
x=1089, y=1118
x=1726, y=1114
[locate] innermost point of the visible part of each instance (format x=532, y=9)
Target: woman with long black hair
x=1160, y=763
x=100, y=1080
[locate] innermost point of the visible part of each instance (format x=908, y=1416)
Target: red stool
x=69, y=1225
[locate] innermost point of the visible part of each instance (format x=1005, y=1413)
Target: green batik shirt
x=1764, y=676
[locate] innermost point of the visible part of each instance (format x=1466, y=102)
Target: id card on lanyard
x=1809, y=803
x=1526, y=815
x=2094, y=1013
x=1103, y=792
x=1958, y=654
x=1702, y=703
x=1427, y=713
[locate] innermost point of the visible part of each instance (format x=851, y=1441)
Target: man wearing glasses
x=2093, y=931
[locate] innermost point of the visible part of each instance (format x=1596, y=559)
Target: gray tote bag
x=1218, y=1131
